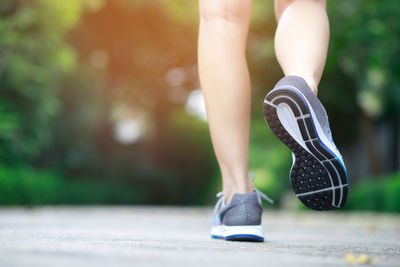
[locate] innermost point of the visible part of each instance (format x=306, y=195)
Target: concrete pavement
x=172, y=236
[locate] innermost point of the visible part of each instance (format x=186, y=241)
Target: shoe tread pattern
x=317, y=177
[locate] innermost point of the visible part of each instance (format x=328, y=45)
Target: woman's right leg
x=302, y=38
x=225, y=83
x=293, y=111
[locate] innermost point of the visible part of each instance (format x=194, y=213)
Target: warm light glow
x=175, y=76
x=127, y=131
x=195, y=104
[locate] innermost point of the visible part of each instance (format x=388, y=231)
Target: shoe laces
x=260, y=195
x=220, y=203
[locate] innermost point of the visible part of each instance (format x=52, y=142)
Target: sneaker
x=296, y=116
x=240, y=220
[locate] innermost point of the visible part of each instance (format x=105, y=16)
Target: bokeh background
x=100, y=103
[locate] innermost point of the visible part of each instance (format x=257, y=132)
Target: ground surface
x=155, y=236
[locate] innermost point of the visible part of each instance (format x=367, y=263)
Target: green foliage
x=376, y=193
x=28, y=186
x=34, y=57
x=269, y=161
x=189, y=137
x=365, y=46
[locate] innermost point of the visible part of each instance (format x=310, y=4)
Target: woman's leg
x=225, y=82
x=295, y=114
x=301, y=39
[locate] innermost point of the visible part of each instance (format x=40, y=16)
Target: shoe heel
x=253, y=233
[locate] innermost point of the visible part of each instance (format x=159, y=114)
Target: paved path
x=167, y=236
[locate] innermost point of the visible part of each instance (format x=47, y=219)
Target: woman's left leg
x=225, y=82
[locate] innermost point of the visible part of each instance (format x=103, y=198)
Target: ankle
x=231, y=187
x=314, y=88
x=313, y=84
x=311, y=80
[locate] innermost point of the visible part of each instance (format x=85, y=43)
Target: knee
x=229, y=10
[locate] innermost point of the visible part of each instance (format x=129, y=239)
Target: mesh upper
x=244, y=209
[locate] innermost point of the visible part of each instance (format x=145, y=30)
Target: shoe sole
x=318, y=177
x=250, y=233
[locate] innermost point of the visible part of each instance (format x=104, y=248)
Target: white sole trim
x=224, y=231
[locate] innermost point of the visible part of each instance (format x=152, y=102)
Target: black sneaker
x=296, y=116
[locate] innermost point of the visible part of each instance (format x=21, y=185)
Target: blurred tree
x=363, y=65
x=33, y=58
x=139, y=68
